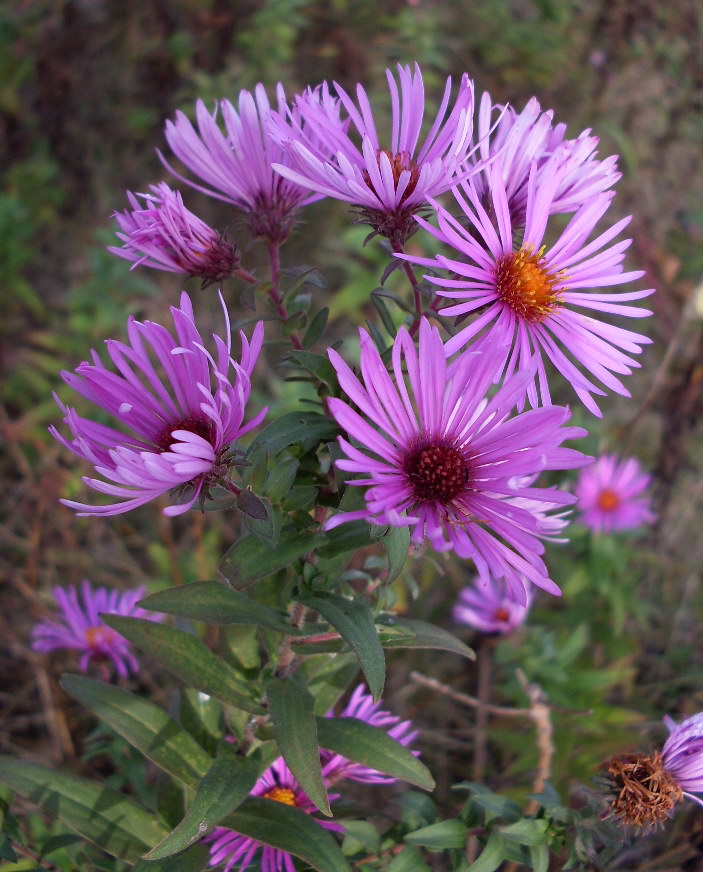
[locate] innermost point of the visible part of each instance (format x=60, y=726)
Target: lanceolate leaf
x=99, y=814
x=396, y=543
x=144, y=725
x=373, y=747
x=215, y=603
x=292, y=712
x=354, y=622
x=288, y=829
x=187, y=658
x=424, y=635
x=193, y=859
x=226, y=785
x=306, y=429
x=437, y=837
x=249, y=559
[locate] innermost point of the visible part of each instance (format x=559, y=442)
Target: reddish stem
x=274, y=293
x=412, y=278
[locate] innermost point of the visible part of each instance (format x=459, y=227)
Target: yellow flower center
x=281, y=794
x=525, y=282
x=608, y=500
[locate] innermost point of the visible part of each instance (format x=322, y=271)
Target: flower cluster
x=611, y=497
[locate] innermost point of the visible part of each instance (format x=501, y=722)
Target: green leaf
x=528, y=831
x=360, y=836
x=306, y=429
x=188, y=659
x=345, y=538
x=193, y=859
x=249, y=560
x=280, y=479
x=424, y=636
x=396, y=543
x=409, y=860
x=288, y=829
x=384, y=314
x=316, y=328
x=144, y=725
x=491, y=857
x=539, y=857
x=328, y=677
x=225, y=786
x=373, y=747
x=101, y=815
x=437, y=837
x=354, y=622
x=317, y=364
x=292, y=712
x=215, y=603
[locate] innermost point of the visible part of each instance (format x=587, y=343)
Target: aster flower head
x=530, y=136
x=489, y=609
x=79, y=626
x=646, y=788
x=235, y=850
x=436, y=455
x=362, y=707
x=530, y=294
x=611, y=497
x=387, y=184
x=178, y=427
x=236, y=166
x=161, y=233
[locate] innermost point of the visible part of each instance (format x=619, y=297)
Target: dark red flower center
x=400, y=162
x=608, y=500
x=282, y=794
x=436, y=472
x=501, y=614
x=198, y=424
x=526, y=284
x=645, y=793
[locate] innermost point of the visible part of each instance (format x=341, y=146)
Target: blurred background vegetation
x=85, y=88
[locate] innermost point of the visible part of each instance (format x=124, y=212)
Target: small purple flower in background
x=488, y=609
x=163, y=234
x=432, y=446
x=237, y=165
x=278, y=785
x=182, y=423
x=388, y=185
x=527, y=293
x=521, y=139
x=610, y=495
x=682, y=754
x=79, y=626
x=362, y=707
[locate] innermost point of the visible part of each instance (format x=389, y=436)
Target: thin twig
x=33, y=856
x=541, y=716
x=412, y=278
x=465, y=699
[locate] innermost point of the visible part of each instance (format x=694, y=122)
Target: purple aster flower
x=488, y=608
x=435, y=454
x=180, y=424
x=529, y=295
x=362, y=707
x=609, y=494
x=682, y=754
x=80, y=627
x=521, y=139
x=233, y=849
x=389, y=184
x=163, y=234
x=236, y=166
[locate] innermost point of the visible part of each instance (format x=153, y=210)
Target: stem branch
x=274, y=293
